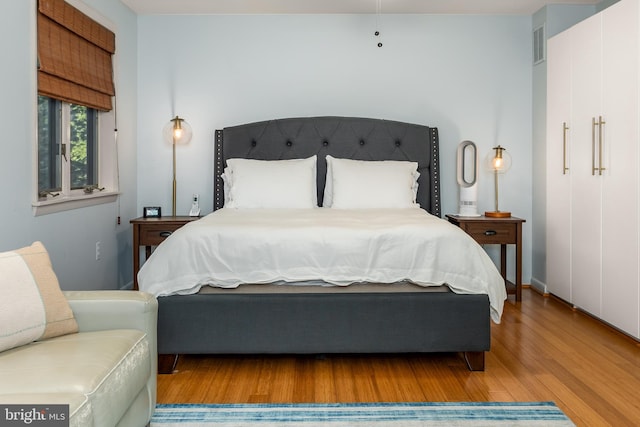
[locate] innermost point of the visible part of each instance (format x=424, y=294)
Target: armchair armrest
x=100, y=310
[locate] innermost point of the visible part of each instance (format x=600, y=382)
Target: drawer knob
x=165, y=233
x=490, y=233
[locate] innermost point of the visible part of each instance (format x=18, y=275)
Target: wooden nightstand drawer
x=493, y=233
x=153, y=235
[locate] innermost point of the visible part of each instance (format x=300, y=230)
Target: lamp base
x=498, y=214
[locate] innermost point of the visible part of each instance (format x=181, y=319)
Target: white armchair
x=106, y=372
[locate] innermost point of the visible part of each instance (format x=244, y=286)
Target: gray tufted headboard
x=342, y=137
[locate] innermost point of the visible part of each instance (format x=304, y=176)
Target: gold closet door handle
x=593, y=146
x=601, y=124
x=565, y=128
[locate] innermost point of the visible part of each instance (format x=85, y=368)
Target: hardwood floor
x=542, y=351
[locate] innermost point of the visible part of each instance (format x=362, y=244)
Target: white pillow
x=357, y=184
x=32, y=306
x=226, y=184
x=284, y=184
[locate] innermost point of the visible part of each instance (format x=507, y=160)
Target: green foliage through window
x=80, y=126
x=83, y=159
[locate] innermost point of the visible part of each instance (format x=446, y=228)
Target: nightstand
x=498, y=231
x=150, y=232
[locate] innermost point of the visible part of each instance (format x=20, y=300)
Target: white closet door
x=586, y=186
x=620, y=236
x=559, y=140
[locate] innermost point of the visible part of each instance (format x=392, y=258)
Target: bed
x=281, y=309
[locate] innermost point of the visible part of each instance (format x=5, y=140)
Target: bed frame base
x=167, y=362
x=324, y=323
x=475, y=360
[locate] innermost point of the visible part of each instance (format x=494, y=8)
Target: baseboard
x=539, y=287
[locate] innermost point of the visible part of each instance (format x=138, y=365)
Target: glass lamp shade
x=498, y=160
x=177, y=131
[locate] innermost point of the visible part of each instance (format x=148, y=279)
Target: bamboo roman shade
x=74, y=56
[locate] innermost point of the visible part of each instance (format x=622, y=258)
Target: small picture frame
x=152, y=212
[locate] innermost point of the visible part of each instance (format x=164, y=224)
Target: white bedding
x=338, y=246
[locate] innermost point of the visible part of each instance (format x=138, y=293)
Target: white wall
x=470, y=76
x=69, y=236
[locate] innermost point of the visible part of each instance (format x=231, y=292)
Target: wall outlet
x=97, y=251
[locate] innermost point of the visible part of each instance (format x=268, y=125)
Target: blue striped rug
x=468, y=414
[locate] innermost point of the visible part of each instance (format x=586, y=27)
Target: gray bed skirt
x=271, y=319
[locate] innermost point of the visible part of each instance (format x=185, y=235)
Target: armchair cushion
x=109, y=367
x=32, y=306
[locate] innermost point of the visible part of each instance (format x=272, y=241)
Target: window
x=76, y=152
x=67, y=148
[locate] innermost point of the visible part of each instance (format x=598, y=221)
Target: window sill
x=66, y=203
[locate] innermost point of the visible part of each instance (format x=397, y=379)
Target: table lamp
x=498, y=162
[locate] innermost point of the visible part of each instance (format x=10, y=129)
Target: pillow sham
x=358, y=184
x=281, y=184
x=32, y=306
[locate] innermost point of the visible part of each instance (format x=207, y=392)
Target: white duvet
x=337, y=246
